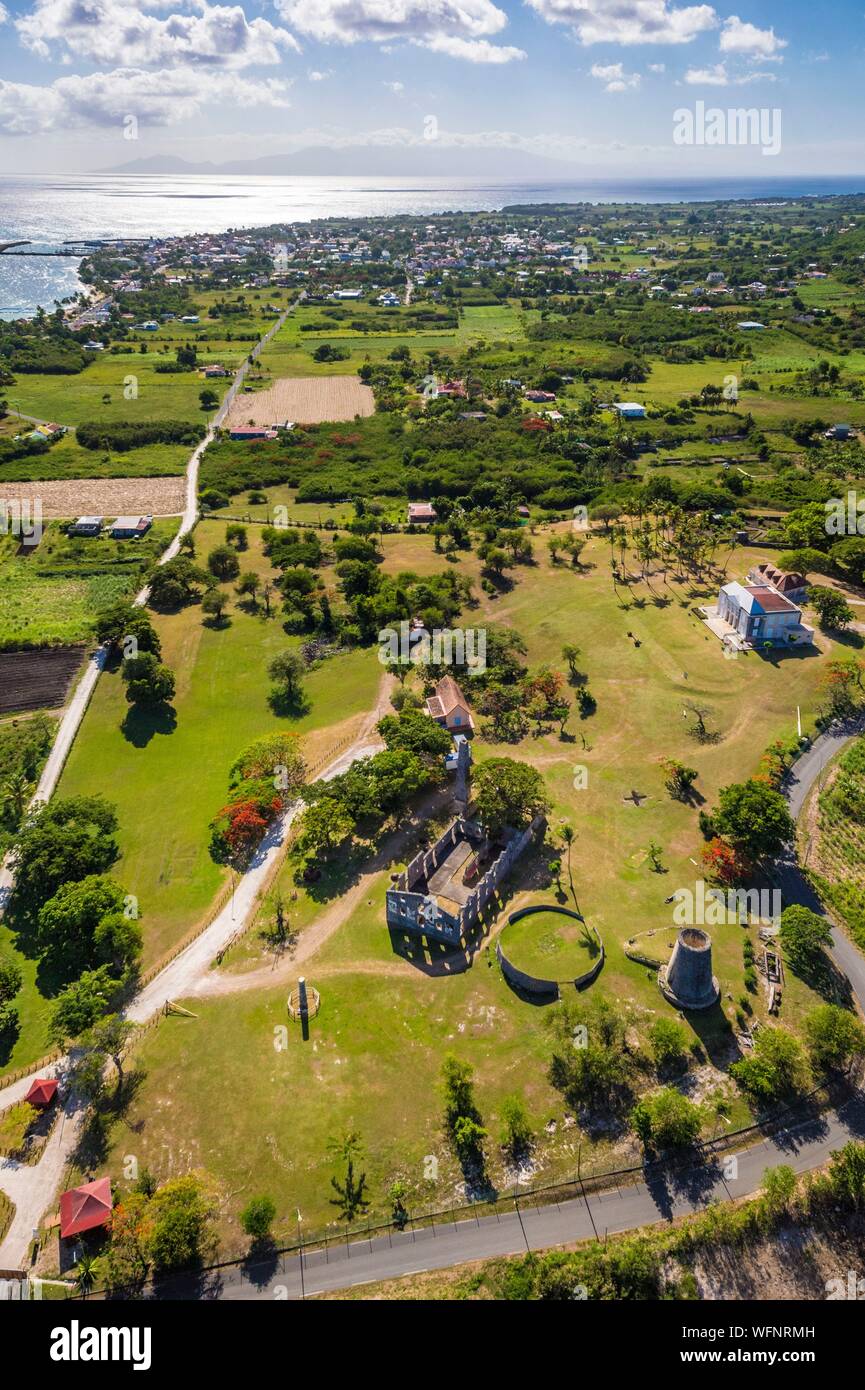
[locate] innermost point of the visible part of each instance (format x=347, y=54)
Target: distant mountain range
x=362, y=161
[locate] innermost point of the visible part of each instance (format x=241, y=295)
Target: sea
x=48, y=210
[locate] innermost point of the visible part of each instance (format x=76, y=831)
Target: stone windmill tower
x=687, y=980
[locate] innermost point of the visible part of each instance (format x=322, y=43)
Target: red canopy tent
x=42, y=1092
x=86, y=1207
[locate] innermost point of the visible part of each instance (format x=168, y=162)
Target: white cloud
x=614, y=77
x=472, y=50
x=708, y=77
x=315, y=75
x=739, y=37
x=718, y=76
x=395, y=87
x=107, y=98
x=657, y=67
x=628, y=21
x=122, y=33
x=458, y=28
x=4, y=14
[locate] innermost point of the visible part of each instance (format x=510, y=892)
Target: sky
x=598, y=84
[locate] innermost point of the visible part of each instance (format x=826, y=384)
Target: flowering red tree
x=723, y=863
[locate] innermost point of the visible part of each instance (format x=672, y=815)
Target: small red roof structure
x=41, y=1093
x=86, y=1207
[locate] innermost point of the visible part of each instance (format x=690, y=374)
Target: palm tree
x=569, y=835
x=15, y=789
x=86, y=1273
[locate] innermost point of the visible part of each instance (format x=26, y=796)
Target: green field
x=53, y=595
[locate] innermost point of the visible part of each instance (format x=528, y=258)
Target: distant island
x=427, y=160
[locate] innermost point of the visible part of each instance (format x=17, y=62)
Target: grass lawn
x=548, y=945
x=133, y=387
x=67, y=459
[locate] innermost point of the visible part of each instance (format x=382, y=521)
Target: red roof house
x=448, y=707
x=86, y=1207
x=41, y=1093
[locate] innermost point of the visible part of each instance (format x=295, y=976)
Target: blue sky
x=594, y=83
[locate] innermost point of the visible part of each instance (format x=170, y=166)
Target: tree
x=351, y=1189
x=414, y=731
x=214, y=605
x=779, y=1187
x=678, y=778
x=667, y=1120
x=842, y=683
x=832, y=609
x=325, y=824
x=276, y=756
x=847, y=1173
x=775, y=1069
x=124, y=623
x=78, y=1006
x=223, y=562
x=182, y=1211
x=68, y=922
x=669, y=1043
x=571, y=654
x=148, y=682
x=508, y=793
x=516, y=1132
x=569, y=836
x=834, y=1037
x=62, y=842
x=803, y=936
x=286, y=671
x=588, y=1062
x=462, y=1119
x=175, y=584
x=257, y=1218
x=11, y=978
x=208, y=398
x=248, y=586
x=87, y=1271
x=106, y=1041
x=754, y=818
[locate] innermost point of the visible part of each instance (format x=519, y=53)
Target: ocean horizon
x=48, y=209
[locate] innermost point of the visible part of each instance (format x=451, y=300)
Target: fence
x=545, y=1194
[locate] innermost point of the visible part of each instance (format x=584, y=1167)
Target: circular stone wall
x=544, y=946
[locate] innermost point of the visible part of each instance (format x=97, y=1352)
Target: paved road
x=795, y=888
x=659, y=1196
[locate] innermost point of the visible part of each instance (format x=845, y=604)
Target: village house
x=792, y=585
x=421, y=513
x=449, y=707
x=127, y=528
x=86, y=526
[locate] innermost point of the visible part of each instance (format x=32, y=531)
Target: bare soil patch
x=109, y=497
x=303, y=400
x=37, y=679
